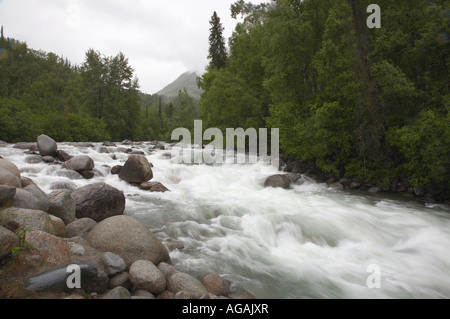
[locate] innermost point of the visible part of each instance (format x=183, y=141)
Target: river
x=307, y=242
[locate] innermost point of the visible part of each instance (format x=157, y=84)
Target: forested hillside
x=43, y=93
x=355, y=101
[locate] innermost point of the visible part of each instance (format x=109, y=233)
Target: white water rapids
x=306, y=242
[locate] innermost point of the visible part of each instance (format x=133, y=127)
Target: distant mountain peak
x=188, y=81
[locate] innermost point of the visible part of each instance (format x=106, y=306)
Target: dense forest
x=355, y=101
x=43, y=93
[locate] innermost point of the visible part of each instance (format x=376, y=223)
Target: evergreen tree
x=217, y=49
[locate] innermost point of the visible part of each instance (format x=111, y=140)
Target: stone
x=166, y=294
x=184, y=295
x=33, y=159
x=113, y=264
x=374, y=190
x=48, y=159
x=142, y=294
x=345, y=181
x=9, y=174
x=87, y=174
x=216, y=285
x=281, y=181
x=154, y=187
x=166, y=269
x=80, y=163
x=419, y=191
x=70, y=174
x=336, y=185
x=145, y=275
x=184, y=282
x=53, y=250
x=137, y=169
x=8, y=240
x=241, y=295
x=26, y=146
x=59, y=228
x=122, y=279
x=30, y=220
x=6, y=193
x=46, y=145
x=80, y=227
x=116, y=170
x=63, y=186
x=355, y=185
x=31, y=197
x=76, y=249
x=117, y=293
x=62, y=205
x=125, y=236
x=63, y=156
x=93, y=279
x=98, y=201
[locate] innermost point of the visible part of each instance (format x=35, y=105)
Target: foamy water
x=306, y=242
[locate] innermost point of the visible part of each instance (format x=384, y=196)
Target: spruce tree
x=217, y=49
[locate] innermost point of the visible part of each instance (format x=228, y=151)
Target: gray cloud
x=162, y=39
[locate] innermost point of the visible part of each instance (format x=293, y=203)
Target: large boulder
x=146, y=276
x=216, y=285
x=80, y=163
x=93, y=279
x=8, y=240
x=62, y=205
x=80, y=227
x=31, y=197
x=9, y=174
x=47, y=146
x=184, y=282
x=29, y=219
x=137, y=169
x=125, y=236
x=52, y=250
x=98, y=201
x=6, y=193
x=282, y=181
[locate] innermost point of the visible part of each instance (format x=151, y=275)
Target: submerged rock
x=46, y=145
x=80, y=163
x=137, y=169
x=282, y=181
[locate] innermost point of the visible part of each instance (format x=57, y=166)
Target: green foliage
x=426, y=147
x=217, y=48
x=359, y=102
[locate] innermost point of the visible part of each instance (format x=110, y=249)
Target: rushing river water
x=306, y=242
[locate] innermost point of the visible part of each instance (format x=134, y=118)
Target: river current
x=306, y=242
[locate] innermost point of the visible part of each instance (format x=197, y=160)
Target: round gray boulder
x=46, y=145
x=125, y=236
x=98, y=201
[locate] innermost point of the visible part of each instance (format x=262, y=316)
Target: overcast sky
x=161, y=38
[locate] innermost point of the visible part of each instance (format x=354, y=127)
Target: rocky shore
x=292, y=170
x=46, y=238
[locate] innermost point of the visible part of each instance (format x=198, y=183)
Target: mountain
x=186, y=80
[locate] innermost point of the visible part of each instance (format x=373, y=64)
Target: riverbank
x=402, y=188
x=43, y=235
x=306, y=241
